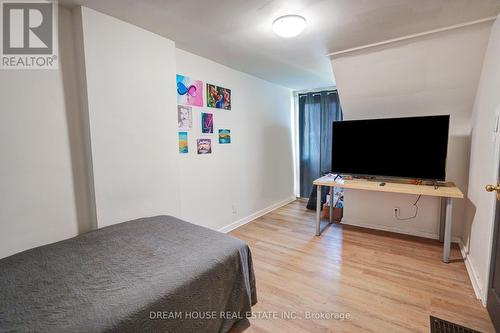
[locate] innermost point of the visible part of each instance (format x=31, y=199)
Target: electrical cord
x=414, y=215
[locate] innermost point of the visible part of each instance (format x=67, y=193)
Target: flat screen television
x=414, y=147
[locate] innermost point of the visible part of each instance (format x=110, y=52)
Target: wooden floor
x=385, y=282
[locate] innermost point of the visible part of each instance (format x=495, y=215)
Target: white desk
x=447, y=193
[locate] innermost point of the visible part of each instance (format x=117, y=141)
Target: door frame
x=493, y=201
x=295, y=143
x=493, y=255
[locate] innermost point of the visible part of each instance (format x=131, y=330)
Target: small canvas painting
x=204, y=146
x=185, y=117
x=218, y=97
x=183, y=142
x=207, y=123
x=189, y=91
x=224, y=136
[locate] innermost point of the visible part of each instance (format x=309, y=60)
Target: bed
x=157, y=274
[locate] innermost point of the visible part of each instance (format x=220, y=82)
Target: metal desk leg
x=318, y=210
x=447, y=230
x=332, y=191
x=442, y=219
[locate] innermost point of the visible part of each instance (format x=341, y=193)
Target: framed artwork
x=218, y=97
x=207, y=123
x=189, y=91
x=224, y=136
x=204, y=146
x=185, y=117
x=183, y=143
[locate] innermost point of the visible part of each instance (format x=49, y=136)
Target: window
x=317, y=111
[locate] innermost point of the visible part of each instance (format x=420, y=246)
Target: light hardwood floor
x=385, y=281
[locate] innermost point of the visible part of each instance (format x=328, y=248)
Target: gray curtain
x=317, y=111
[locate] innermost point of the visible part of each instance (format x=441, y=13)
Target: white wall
x=435, y=74
x=478, y=229
x=42, y=186
x=96, y=142
x=252, y=173
x=138, y=171
x=130, y=76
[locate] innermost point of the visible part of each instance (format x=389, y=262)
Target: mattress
x=157, y=274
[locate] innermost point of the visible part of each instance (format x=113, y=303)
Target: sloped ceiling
x=238, y=33
x=435, y=74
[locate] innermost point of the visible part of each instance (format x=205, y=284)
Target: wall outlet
x=235, y=210
x=396, y=212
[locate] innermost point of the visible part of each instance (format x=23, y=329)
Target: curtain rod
x=317, y=93
x=297, y=92
x=425, y=33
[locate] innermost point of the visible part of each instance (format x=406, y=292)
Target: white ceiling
x=238, y=33
x=435, y=74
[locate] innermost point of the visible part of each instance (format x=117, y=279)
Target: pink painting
x=189, y=91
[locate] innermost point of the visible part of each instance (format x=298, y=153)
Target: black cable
x=416, y=211
x=415, y=204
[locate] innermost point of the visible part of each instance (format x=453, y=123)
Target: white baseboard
x=256, y=215
x=472, y=273
x=397, y=230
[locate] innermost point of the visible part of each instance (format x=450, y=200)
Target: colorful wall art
x=224, y=136
x=189, y=91
x=207, y=123
x=183, y=142
x=204, y=146
x=185, y=117
x=218, y=97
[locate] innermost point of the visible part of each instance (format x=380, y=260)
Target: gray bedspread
x=157, y=274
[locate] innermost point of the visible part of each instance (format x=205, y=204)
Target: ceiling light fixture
x=289, y=25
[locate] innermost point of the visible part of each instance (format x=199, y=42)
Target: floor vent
x=443, y=326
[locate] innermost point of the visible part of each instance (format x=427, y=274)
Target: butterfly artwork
x=189, y=91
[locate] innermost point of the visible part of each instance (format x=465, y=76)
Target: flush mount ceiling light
x=289, y=25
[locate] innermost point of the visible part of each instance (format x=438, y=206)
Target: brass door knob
x=493, y=188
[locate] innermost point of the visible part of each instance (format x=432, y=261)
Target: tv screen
x=413, y=147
